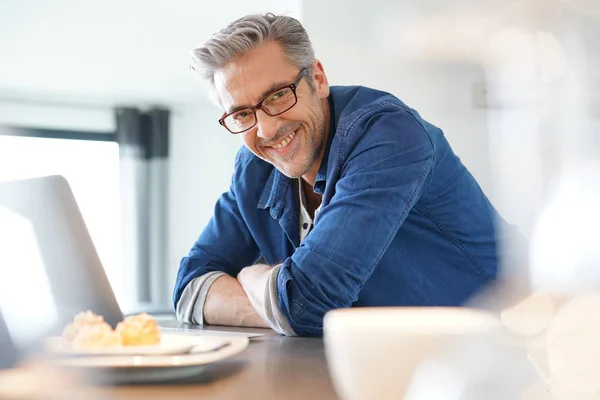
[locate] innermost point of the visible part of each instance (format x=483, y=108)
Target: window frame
x=44, y=133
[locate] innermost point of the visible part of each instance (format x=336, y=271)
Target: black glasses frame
x=259, y=106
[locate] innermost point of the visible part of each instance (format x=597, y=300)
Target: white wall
x=375, y=44
x=202, y=157
x=111, y=51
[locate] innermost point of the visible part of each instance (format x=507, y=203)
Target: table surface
x=271, y=367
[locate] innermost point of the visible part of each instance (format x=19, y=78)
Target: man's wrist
x=254, y=281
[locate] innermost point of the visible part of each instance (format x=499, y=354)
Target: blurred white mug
x=372, y=353
x=567, y=354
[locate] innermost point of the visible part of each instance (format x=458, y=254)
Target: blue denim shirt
x=402, y=221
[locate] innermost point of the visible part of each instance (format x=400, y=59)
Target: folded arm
x=228, y=304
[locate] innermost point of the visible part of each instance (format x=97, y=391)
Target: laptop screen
x=49, y=267
x=26, y=296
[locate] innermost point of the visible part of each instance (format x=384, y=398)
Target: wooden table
x=272, y=367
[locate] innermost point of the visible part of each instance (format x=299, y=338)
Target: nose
x=267, y=125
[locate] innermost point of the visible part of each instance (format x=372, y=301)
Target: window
x=92, y=170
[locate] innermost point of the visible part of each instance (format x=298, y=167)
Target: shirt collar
x=273, y=193
x=277, y=184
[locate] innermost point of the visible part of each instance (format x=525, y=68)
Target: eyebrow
x=268, y=91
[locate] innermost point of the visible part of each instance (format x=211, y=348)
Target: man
x=345, y=195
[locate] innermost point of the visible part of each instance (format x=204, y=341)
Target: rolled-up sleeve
x=385, y=169
x=190, y=307
x=273, y=315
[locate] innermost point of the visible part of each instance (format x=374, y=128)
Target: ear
x=320, y=80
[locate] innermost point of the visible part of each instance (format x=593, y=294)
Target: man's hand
x=228, y=304
x=254, y=281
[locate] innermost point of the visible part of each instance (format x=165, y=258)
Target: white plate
x=118, y=369
x=169, y=345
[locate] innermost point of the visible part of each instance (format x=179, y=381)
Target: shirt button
x=304, y=226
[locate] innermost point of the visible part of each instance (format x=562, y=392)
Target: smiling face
x=295, y=140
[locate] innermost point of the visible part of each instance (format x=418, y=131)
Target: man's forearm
x=260, y=284
x=227, y=304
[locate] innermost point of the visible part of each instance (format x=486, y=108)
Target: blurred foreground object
x=42, y=381
x=372, y=353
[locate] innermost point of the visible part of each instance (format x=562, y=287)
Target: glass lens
x=279, y=101
x=240, y=120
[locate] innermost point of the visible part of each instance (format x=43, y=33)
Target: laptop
x=49, y=267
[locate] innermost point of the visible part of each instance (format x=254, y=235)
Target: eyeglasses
x=276, y=103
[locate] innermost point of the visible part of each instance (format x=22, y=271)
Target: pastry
x=139, y=330
x=82, y=319
x=95, y=336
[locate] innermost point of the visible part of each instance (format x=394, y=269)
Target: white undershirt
x=306, y=222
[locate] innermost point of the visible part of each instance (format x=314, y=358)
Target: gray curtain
x=8, y=351
x=143, y=138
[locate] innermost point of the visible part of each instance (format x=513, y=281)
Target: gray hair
x=248, y=33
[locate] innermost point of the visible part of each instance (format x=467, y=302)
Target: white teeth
x=285, y=141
